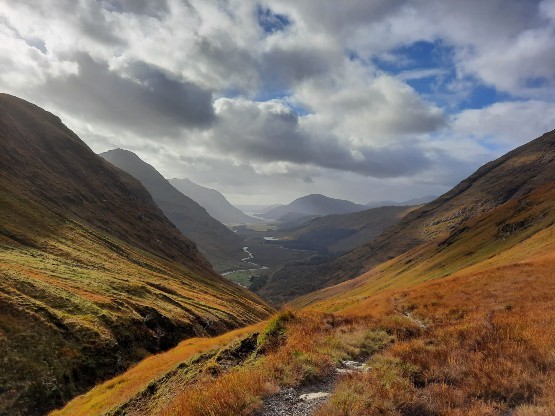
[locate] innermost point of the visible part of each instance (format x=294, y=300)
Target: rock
x=313, y=396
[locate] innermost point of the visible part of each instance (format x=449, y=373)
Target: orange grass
x=122, y=388
x=313, y=345
x=489, y=348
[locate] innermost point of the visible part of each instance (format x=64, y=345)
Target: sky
x=267, y=101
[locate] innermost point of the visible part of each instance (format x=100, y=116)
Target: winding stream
x=246, y=260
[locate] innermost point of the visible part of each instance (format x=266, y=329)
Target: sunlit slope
x=512, y=233
x=93, y=277
x=120, y=390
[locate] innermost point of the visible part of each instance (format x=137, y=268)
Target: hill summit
x=314, y=204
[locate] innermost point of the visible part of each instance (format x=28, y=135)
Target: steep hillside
x=213, y=201
x=506, y=179
x=314, y=204
x=93, y=277
x=221, y=246
x=509, y=234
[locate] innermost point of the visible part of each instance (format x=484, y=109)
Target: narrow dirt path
x=304, y=400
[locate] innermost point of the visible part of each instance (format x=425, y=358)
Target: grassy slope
x=92, y=276
x=121, y=389
x=495, y=237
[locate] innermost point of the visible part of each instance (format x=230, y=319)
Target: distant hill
x=410, y=202
x=494, y=184
x=339, y=233
x=93, y=276
x=256, y=209
x=221, y=245
x=213, y=201
x=314, y=204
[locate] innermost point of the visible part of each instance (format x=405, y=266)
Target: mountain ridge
x=222, y=247
x=314, y=204
x=213, y=201
x=493, y=184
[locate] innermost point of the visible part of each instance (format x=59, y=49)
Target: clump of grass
x=274, y=332
x=375, y=341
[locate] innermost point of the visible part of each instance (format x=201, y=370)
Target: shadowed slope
x=221, y=245
x=213, y=201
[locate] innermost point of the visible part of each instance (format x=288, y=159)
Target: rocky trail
x=304, y=400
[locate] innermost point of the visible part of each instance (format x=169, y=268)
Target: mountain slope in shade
x=93, y=276
x=314, y=204
x=213, y=201
x=221, y=246
x=342, y=232
x=332, y=234
x=507, y=178
x=414, y=201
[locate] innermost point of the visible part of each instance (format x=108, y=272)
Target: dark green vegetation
x=506, y=179
x=218, y=243
x=93, y=277
x=213, y=201
x=315, y=241
x=322, y=239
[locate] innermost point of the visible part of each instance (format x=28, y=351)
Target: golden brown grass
x=120, y=389
x=489, y=347
x=307, y=347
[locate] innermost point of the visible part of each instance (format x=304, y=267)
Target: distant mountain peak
x=314, y=204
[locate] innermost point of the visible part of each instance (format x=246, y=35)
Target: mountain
x=314, y=204
x=93, y=276
x=214, y=202
x=410, y=202
x=515, y=235
x=329, y=235
x=494, y=184
x=218, y=243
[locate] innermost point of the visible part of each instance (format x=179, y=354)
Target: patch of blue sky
x=420, y=54
x=269, y=21
x=429, y=68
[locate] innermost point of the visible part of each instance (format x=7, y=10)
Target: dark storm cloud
x=145, y=100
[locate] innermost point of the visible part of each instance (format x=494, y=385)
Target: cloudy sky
x=270, y=100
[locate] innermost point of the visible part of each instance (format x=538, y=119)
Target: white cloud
x=198, y=85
